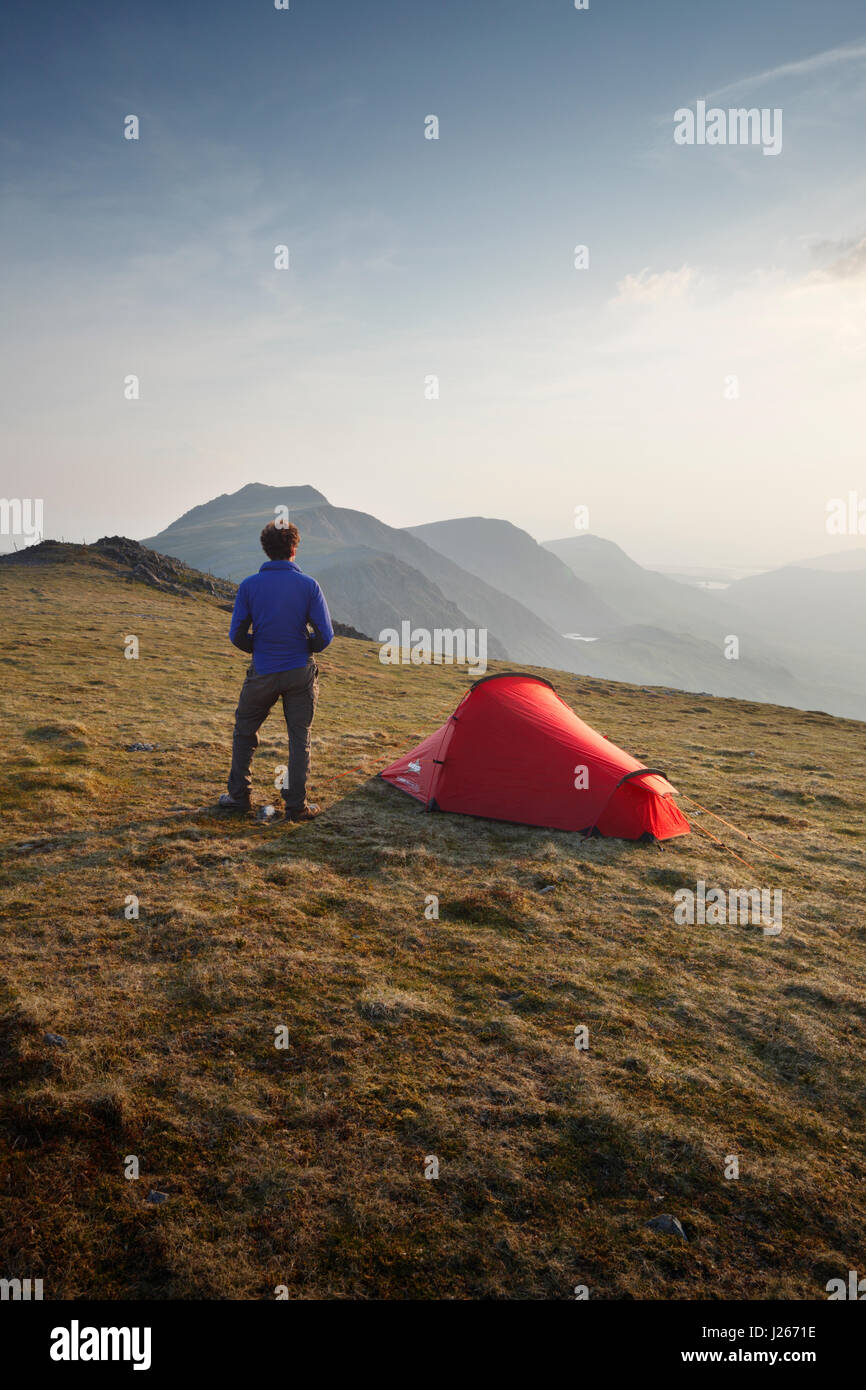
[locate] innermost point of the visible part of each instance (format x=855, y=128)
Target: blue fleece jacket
x=278, y=603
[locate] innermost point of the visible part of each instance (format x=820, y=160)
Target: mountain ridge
x=230, y=547
x=484, y=572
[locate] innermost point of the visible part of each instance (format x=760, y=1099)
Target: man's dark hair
x=279, y=542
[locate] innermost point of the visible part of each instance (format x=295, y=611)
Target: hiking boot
x=305, y=812
x=228, y=803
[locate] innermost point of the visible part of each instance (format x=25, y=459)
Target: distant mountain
x=381, y=591
x=639, y=595
x=222, y=536
x=510, y=559
x=797, y=629
x=838, y=560
x=645, y=655
x=812, y=609
x=707, y=576
x=224, y=541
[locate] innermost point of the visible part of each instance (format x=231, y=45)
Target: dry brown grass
x=408, y=1037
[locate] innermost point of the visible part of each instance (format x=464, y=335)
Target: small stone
x=549, y=889
x=157, y=1197
x=54, y=1040
x=668, y=1224
x=635, y=1064
x=140, y=747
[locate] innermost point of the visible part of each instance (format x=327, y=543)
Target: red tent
x=514, y=751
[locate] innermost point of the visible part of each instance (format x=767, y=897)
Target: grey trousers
x=299, y=690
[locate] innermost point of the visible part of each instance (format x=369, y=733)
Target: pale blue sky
x=453, y=257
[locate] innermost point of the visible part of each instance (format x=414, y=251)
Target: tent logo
x=460, y=646
x=737, y=126
x=760, y=907
x=856, y=1288
x=76, y=1343
x=21, y=516
x=846, y=516
x=20, y=1290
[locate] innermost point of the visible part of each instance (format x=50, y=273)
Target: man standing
x=279, y=602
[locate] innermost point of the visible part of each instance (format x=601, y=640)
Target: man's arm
x=320, y=621
x=239, y=632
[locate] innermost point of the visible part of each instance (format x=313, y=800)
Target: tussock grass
x=409, y=1036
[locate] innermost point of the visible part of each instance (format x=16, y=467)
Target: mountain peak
x=252, y=500
x=590, y=545
x=295, y=496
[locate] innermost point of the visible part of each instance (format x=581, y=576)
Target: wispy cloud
x=850, y=266
x=655, y=288
x=804, y=67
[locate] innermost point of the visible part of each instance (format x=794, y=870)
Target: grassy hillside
x=407, y=1037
